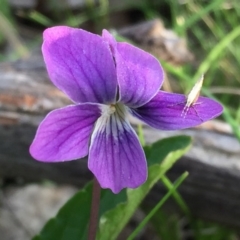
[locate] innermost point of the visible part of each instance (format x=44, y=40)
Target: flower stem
x=93, y=223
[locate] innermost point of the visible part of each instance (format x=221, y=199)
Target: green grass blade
x=40, y=18
x=141, y=135
x=198, y=16
x=178, y=198
x=159, y=205
x=216, y=51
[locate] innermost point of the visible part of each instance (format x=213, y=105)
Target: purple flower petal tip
x=65, y=133
x=110, y=40
x=167, y=111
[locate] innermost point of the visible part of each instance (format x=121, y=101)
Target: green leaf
x=72, y=219
x=160, y=151
x=161, y=156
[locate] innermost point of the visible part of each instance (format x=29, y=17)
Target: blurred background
x=189, y=37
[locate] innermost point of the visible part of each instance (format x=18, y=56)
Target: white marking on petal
x=113, y=118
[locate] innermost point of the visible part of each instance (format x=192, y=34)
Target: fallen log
x=26, y=95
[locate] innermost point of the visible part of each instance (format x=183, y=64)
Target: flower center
x=113, y=117
x=112, y=109
x=117, y=109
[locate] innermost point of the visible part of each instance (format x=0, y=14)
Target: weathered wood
x=26, y=95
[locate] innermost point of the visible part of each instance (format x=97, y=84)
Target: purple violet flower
x=106, y=80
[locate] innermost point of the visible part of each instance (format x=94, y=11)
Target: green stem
x=156, y=208
x=168, y=184
x=140, y=135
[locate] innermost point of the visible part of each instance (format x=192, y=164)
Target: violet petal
x=139, y=74
x=116, y=157
x=165, y=111
x=65, y=133
x=80, y=64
